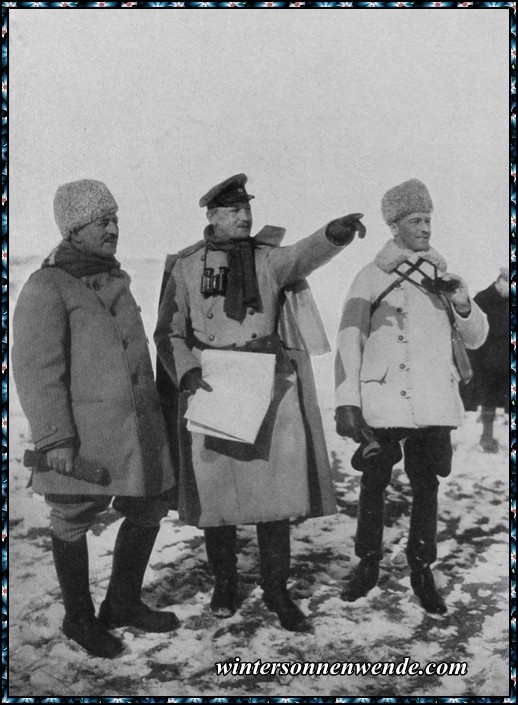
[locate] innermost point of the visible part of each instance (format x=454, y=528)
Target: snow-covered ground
x=387, y=625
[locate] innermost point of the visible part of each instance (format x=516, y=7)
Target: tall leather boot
x=80, y=623
x=274, y=551
x=369, y=541
x=487, y=441
x=422, y=548
x=122, y=606
x=220, y=543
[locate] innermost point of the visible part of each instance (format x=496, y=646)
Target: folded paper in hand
x=242, y=385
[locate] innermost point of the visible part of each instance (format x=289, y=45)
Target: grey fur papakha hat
x=81, y=202
x=409, y=197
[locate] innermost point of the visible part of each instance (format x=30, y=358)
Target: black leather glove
x=349, y=422
x=192, y=381
x=342, y=230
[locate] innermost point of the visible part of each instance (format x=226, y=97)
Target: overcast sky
x=323, y=109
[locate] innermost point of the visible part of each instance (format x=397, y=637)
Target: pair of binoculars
x=214, y=284
x=440, y=286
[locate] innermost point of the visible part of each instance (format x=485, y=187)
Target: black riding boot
x=487, y=441
x=273, y=538
x=422, y=549
x=122, y=606
x=369, y=541
x=80, y=623
x=220, y=543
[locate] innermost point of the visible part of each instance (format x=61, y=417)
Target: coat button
x=254, y=335
x=210, y=315
x=202, y=258
x=402, y=366
x=211, y=337
x=399, y=310
x=403, y=394
x=125, y=344
x=134, y=378
x=113, y=313
x=401, y=337
x=251, y=312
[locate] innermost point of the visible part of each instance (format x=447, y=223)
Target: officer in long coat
x=233, y=292
x=85, y=381
x=396, y=380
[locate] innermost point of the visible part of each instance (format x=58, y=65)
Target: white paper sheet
x=242, y=385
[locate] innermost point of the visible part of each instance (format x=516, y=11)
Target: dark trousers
x=428, y=453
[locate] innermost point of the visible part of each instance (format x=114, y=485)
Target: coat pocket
x=374, y=372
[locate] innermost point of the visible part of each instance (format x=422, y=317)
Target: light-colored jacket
x=396, y=363
x=286, y=473
x=83, y=372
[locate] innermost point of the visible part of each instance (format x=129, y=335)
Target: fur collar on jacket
x=391, y=255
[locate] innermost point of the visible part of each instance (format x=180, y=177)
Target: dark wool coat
x=83, y=372
x=286, y=473
x=490, y=384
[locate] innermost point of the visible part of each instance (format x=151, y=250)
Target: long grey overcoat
x=286, y=473
x=82, y=369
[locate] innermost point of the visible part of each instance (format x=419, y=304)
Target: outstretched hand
x=342, y=230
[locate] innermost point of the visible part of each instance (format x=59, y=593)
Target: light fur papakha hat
x=409, y=197
x=81, y=202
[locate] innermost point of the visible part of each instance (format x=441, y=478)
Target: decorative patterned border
x=511, y=7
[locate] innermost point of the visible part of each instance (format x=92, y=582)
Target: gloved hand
x=458, y=295
x=192, y=381
x=349, y=422
x=61, y=459
x=342, y=230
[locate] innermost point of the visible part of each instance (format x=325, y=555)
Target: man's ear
x=75, y=237
x=394, y=229
x=210, y=214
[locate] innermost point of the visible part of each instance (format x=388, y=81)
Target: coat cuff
x=48, y=437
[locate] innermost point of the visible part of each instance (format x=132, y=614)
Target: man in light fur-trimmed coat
x=396, y=380
x=83, y=373
x=233, y=292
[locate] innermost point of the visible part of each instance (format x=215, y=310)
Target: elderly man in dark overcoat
x=233, y=292
x=83, y=372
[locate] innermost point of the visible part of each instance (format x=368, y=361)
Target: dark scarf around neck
x=242, y=288
x=79, y=264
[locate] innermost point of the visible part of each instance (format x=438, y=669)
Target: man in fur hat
x=396, y=380
x=233, y=292
x=83, y=373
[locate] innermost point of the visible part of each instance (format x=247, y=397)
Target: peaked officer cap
x=227, y=193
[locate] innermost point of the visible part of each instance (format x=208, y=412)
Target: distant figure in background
x=83, y=372
x=396, y=380
x=256, y=303
x=490, y=384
